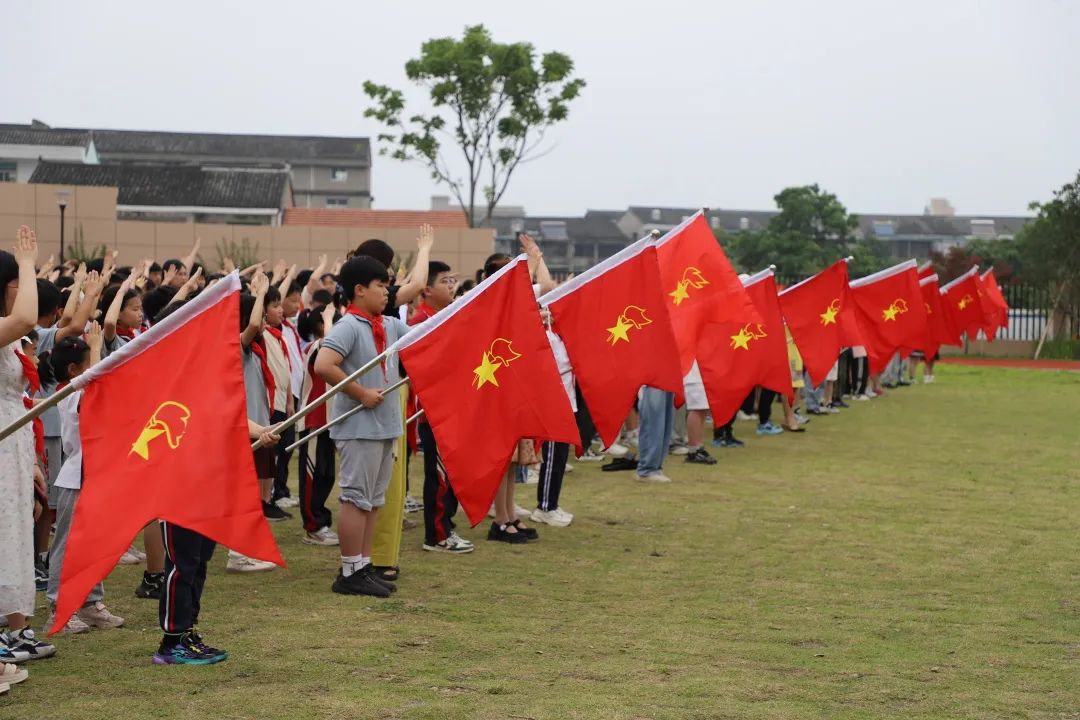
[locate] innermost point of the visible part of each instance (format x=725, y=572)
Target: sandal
x=11, y=675
x=389, y=573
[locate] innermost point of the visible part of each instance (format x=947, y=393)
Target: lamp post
x=61, y=200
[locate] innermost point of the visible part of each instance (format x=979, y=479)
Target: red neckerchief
x=424, y=311
x=268, y=377
x=30, y=372
x=39, y=433
x=276, y=332
x=378, y=332
x=127, y=333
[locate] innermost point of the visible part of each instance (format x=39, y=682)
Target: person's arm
x=74, y=293
x=537, y=267
x=22, y=316
x=263, y=434
x=279, y=272
x=113, y=313
x=108, y=264
x=95, y=339
x=313, y=282
x=186, y=288
x=283, y=286
x=192, y=256
x=45, y=269
x=259, y=284
x=328, y=367
x=252, y=268
x=227, y=265
x=328, y=318
x=91, y=293
x=417, y=280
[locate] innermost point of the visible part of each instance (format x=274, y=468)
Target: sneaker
x=678, y=449
x=452, y=545
x=193, y=641
x=745, y=417
x=131, y=558
x=700, y=457
x=839, y=404
x=591, y=455
x=551, y=517
x=150, y=587
x=569, y=468
x=654, y=477
x=287, y=502
x=769, y=429
x=532, y=476
x=273, y=513
x=181, y=654
x=521, y=513
x=98, y=616
x=733, y=442
x=11, y=675
x=500, y=533
x=862, y=398
x=460, y=540
x=25, y=645
x=631, y=438
x=41, y=577
x=927, y=379
x=801, y=419
x=322, y=536
x=361, y=582
x=243, y=564
x=411, y=504
x=831, y=410
x=74, y=626
x=617, y=450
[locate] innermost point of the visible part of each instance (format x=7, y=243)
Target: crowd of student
x=300, y=332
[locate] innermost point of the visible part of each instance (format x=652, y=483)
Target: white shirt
x=296, y=357
x=566, y=371
x=70, y=475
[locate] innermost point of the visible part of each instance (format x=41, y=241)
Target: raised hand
x=193, y=281
x=93, y=284
x=167, y=279
x=427, y=237
x=529, y=246
x=80, y=274
x=338, y=262
x=46, y=269
x=227, y=266
x=26, y=249
x=279, y=272
x=259, y=284
x=95, y=338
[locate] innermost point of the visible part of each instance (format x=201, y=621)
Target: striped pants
x=553, y=457
x=186, y=556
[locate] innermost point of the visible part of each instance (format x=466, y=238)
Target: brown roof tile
x=375, y=218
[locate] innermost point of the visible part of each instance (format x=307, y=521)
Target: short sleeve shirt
x=70, y=475
x=50, y=419
x=258, y=402
x=352, y=339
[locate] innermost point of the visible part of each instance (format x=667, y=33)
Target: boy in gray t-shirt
x=365, y=441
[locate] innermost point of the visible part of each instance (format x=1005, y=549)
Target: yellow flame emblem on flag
x=500, y=354
x=747, y=334
x=691, y=278
x=965, y=301
x=170, y=421
x=631, y=318
x=899, y=307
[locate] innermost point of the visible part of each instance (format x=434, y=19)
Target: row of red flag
x=486, y=374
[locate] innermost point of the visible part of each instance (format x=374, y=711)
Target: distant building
x=179, y=193
x=326, y=172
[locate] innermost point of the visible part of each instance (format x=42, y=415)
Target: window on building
x=337, y=202
x=517, y=225
x=656, y=215
x=7, y=172
x=553, y=230
x=339, y=174
x=715, y=222
x=744, y=223
x=883, y=228
x=982, y=228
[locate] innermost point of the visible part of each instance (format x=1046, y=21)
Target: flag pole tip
x=849, y=258
x=654, y=234
x=773, y=268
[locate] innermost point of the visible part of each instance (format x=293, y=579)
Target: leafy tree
x=493, y=101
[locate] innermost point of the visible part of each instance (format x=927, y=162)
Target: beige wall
x=94, y=211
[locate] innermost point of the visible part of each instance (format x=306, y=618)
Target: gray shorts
x=53, y=455
x=366, y=466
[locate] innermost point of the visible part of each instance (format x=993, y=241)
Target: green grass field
x=912, y=557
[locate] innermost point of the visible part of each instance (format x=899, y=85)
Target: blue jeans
x=813, y=394
x=657, y=410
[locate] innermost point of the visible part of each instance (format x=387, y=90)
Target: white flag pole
x=343, y=416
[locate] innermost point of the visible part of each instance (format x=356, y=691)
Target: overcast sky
x=688, y=103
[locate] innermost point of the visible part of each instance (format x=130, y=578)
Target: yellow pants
x=386, y=545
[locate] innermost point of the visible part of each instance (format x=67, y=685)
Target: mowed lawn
x=915, y=556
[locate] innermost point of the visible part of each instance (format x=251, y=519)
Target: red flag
x=962, y=307
x=891, y=312
x=740, y=356
x=997, y=299
x=700, y=285
x=937, y=329
x=614, y=322
x=815, y=310
x=164, y=435
x=926, y=270
x=484, y=371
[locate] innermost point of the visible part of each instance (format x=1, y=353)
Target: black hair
x=95, y=265
x=64, y=281
x=198, y=266
x=154, y=267
x=304, y=277
x=309, y=321
x=377, y=249
x=464, y=287
x=322, y=297
x=361, y=270
x=272, y=296
x=9, y=270
x=214, y=276
x=494, y=262
x=293, y=288
x=328, y=275
x=171, y=263
x=247, y=304
x=434, y=267
x=169, y=310
x=48, y=297
x=69, y=351
x=156, y=300
x=109, y=295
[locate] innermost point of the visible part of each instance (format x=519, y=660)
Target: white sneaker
x=322, y=536
x=927, y=379
x=97, y=615
x=551, y=517
x=744, y=416
x=411, y=505
x=452, y=545
x=654, y=477
x=862, y=398
x=243, y=564
x=631, y=438
x=591, y=455
x=460, y=540
x=521, y=512
x=532, y=476
x=569, y=468
x=679, y=450
x=287, y=502
x=617, y=451
x=74, y=625
x=131, y=557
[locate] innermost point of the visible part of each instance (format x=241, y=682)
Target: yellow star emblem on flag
x=691, y=278
x=898, y=307
x=829, y=316
x=964, y=302
x=500, y=354
x=747, y=333
x=631, y=318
